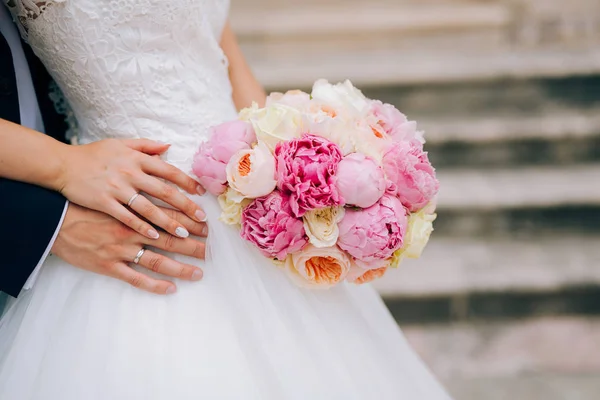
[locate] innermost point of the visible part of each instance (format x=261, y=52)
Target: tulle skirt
x=243, y=332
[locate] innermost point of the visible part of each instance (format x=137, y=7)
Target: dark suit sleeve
x=29, y=216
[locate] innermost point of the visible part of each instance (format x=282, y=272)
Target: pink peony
x=212, y=157
x=306, y=169
x=395, y=124
x=374, y=233
x=268, y=223
x=410, y=175
x=360, y=181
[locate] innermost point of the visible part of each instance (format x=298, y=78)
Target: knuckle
x=128, y=220
x=155, y=263
x=199, y=249
x=169, y=212
x=136, y=280
x=148, y=210
x=168, y=191
x=184, y=272
x=169, y=242
x=191, y=207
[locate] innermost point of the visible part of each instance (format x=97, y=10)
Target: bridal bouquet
x=331, y=185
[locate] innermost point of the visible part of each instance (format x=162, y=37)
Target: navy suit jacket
x=29, y=214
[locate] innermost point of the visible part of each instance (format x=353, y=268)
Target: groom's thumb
x=147, y=146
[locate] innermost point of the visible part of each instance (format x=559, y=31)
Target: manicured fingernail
x=200, y=190
x=171, y=290
x=200, y=216
x=153, y=234
x=205, y=230
x=182, y=232
x=197, y=275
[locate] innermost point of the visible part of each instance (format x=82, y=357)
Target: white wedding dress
x=154, y=69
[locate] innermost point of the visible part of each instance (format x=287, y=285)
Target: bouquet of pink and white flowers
x=331, y=186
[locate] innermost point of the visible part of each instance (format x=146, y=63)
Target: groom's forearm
x=30, y=156
x=29, y=218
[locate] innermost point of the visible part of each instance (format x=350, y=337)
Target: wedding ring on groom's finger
x=132, y=199
x=139, y=255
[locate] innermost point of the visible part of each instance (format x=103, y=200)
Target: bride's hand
x=105, y=175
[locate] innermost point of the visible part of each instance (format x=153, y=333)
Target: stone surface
x=459, y=266
x=490, y=189
x=543, y=358
x=381, y=42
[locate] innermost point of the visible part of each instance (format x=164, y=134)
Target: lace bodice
x=135, y=68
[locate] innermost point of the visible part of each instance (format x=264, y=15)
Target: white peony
x=321, y=225
x=341, y=96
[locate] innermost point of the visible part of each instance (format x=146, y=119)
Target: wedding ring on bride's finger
x=139, y=255
x=132, y=199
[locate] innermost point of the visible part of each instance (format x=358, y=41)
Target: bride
x=166, y=71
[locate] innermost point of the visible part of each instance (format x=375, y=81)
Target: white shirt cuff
x=34, y=275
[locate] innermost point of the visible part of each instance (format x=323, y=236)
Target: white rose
x=314, y=267
x=321, y=225
x=252, y=172
x=276, y=123
x=232, y=204
x=420, y=226
x=342, y=95
x=249, y=112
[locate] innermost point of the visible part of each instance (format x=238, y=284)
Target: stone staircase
x=508, y=92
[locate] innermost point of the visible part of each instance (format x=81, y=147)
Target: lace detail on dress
x=134, y=68
x=61, y=105
x=28, y=10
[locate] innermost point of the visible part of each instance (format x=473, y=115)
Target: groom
x=35, y=220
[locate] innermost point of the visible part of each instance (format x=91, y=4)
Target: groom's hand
x=96, y=242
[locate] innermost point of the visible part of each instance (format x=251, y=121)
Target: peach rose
x=315, y=267
x=252, y=172
x=370, y=275
x=362, y=272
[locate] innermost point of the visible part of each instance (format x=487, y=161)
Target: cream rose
x=342, y=95
x=232, y=203
x=249, y=112
x=420, y=226
x=315, y=267
x=252, y=172
x=275, y=124
x=321, y=225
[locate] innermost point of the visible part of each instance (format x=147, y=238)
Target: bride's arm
x=102, y=176
x=246, y=88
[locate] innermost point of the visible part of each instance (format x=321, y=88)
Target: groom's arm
x=29, y=219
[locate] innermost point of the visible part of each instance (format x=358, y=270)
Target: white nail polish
x=182, y=232
x=153, y=234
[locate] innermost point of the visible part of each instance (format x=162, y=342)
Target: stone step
x=495, y=189
x=459, y=267
x=383, y=42
x=550, y=358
